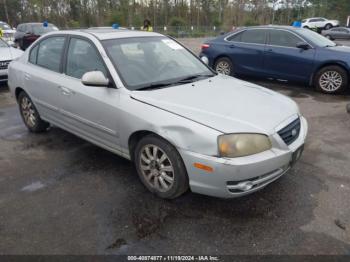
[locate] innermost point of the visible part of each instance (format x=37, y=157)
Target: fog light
x=245, y=186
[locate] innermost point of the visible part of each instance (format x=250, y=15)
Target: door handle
x=269, y=50
x=232, y=46
x=27, y=76
x=65, y=91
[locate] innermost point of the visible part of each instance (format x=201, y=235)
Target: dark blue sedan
x=282, y=53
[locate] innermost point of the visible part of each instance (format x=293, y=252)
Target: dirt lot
x=62, y=195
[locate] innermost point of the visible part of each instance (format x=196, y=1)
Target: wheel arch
x=135, y=137
x=219, y=57
x=18, y=90
x=330, y=63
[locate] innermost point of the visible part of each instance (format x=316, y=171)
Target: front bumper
x=3, y=75
x=242, y=176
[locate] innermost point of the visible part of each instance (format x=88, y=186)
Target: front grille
x=291, y=132
x=4, y=64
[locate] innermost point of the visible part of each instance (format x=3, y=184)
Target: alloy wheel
x=223, y=67
x=331, y=81
x=156, y=168
x=28, y=112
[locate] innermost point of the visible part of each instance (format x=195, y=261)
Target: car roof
x=35, y=23
x=105, y=34
x=315, y=18
x=272, y=27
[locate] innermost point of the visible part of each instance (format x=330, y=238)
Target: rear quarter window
x=235, y=38
x=33, y=54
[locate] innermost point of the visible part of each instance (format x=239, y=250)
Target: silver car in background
x=7, y=54
x=8, y=33
x=337, y=33
x=147, y=98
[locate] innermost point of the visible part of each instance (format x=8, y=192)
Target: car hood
x=9, y=53
x=224, y=103
x=339, y=48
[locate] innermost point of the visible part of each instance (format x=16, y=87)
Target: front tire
x=329, y=37
x=224, y=66
x=160, y=167
x=331, y=80
x=30, y=114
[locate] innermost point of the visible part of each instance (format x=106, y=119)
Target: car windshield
x=40, y=29
x=151, y=62
x=316, y=38
x=5, y=26
x=3, y=43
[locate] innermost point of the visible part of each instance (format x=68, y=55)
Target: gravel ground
x=62, y=195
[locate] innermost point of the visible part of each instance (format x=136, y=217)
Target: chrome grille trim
x=4, y=64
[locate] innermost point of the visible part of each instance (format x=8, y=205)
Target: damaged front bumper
x=236, y=177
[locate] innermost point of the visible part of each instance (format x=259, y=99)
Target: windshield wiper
x=188, y=79
x=192, y=78
x=154, y=86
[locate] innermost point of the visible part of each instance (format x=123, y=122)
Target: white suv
x=319, y=23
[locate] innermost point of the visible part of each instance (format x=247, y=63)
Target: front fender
x=181, y=132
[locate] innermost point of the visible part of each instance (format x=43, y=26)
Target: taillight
x=205, y=46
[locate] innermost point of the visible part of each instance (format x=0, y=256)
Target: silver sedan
x=7, y=54
x=147, y=98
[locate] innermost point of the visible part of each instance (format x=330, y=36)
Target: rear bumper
x=241, y=176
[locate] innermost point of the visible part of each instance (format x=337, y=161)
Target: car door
x=347, y=35
x=42, y=76
x=344, y=33
x=283, y=60
x=321, y=23
x=334, y=33
x=89, y=111
x=246, y=50
x=313, y=23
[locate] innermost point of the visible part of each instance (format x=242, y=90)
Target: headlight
x=239, y=145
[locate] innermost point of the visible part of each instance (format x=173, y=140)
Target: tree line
x=178, y=13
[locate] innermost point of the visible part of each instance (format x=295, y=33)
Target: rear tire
x=328, y=26
x=331, y=80
x=224, y=66
x=160, y=167
x=30, y=114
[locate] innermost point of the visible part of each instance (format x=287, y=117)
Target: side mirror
x=303, y=45
x=95, y=78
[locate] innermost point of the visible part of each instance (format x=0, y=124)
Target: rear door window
x=50, y=53
x=254, y=36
